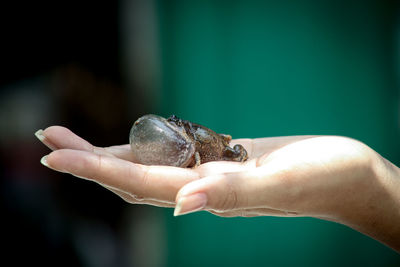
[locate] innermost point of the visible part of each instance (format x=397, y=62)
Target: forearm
x=377, y=212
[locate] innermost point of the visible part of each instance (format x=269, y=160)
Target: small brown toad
x=175, y=142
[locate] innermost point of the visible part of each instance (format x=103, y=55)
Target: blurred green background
x=247, y=68
x=272, y=68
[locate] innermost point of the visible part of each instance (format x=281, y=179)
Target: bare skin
x=327, y=177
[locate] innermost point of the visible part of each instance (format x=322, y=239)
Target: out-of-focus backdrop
x=247, y=68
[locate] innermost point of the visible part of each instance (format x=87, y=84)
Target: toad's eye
x=155, y=141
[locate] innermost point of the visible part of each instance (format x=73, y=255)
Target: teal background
x=272, y=68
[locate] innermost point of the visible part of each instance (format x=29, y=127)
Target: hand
x=278, y=173
x=333, y=178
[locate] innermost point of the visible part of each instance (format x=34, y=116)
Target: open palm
x=284, y=176
x=328, y=177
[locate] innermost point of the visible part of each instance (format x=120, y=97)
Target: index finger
x=144, y=182
x=58, y=137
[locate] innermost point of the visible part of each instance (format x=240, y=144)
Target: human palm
x=328, y=177
x=284, y=176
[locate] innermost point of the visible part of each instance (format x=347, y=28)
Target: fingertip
x=49, y=158
x=54, y=131
x=43, y=160
x=56, y=160
x=187, y=189
x=201, y=194
x=42, y=135
x=224, y=191
x=48, y=161
x=190, y=203
x=56, y=128
x=39, y=135
x=59, y=137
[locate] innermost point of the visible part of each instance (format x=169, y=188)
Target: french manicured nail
x=44, y=161
x=39, y=135
x=191, y=203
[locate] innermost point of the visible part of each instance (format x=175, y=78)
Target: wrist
x=374, y=208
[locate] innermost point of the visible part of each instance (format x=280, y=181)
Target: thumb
x=222, y=192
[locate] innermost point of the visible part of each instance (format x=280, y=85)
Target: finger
x=58, y=137
x=258, y=188
x=159, y=183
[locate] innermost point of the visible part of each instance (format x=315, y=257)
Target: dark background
x=247, y=68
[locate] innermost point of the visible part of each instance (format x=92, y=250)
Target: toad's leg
x=226, y=137
x=197, y=158
x=237, y=153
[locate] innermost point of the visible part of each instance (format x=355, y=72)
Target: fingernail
x=39, y=135
x=44, y=161
x=191, y=203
